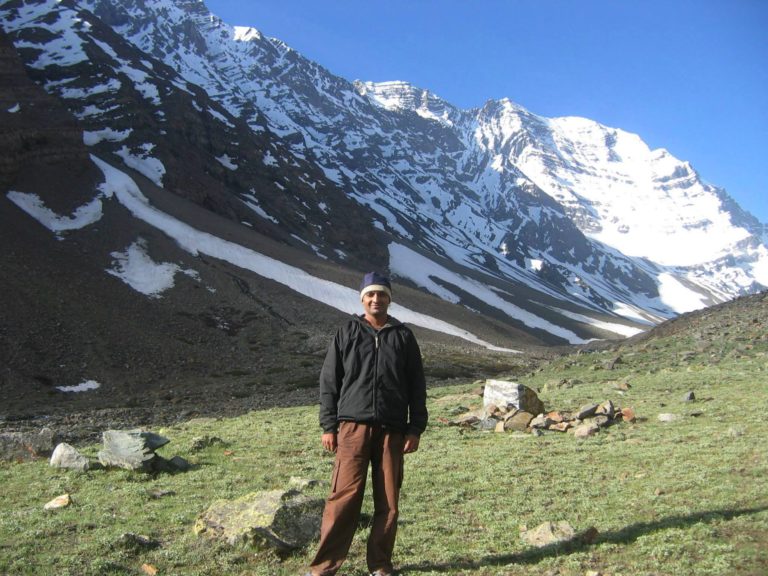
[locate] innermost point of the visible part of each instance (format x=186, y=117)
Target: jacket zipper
x=376, y=376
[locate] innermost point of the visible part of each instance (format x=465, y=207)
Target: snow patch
x=33, y=205
x=677, y=296
x=82, y=387
x=140, y=272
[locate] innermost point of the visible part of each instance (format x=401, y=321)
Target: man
x=372, y=411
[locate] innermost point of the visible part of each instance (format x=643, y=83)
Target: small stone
x=541, y=421
x=586, y=411
x=561, y=426
x=487, y=424
x=135, y=542
x=667, y=417
x=202, y=442
x=548, y=533
x=519, y=421
x=59, y=502
x=158, y=493
x=302, y=483
x=148, y=569
x=586, y=430
x=628, y=414
x=606, y=409
x=689, y=397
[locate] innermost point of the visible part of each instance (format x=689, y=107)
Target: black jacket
x=374, y=377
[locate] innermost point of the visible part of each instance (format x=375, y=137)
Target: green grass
x=689, y=497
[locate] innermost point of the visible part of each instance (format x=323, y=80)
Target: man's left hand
x=411, y=443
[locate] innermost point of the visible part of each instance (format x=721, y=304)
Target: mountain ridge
x=241, y=140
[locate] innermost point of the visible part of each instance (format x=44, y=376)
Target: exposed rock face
x=20, y=446
x=38, y=134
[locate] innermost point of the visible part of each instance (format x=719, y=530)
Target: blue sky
x=690, y=76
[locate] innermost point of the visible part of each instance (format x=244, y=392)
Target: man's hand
x=329, y=441
x=411, y=443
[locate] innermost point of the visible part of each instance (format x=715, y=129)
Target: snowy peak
x=401, y=96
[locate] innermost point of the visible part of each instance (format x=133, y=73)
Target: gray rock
x=606, y=409
x=299, y=483
x=66, y=456
x=541, y=421
x=135, y=542
x=667, y=417
x=130, y=449
x=24, y=446
x=549, y=533
x=486, y=424
x=586, y=411
x=508, y=394
x=689, y=397
x=283, y=520
x=586, y=430
x=519, y=421
x=202, y=442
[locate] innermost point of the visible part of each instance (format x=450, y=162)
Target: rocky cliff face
x=39, y=133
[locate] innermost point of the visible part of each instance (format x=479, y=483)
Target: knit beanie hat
x=375, y=282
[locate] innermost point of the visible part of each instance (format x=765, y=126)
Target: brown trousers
x=357, y=446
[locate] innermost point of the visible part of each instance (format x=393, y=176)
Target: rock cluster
x=128, y=449
x=509, y=406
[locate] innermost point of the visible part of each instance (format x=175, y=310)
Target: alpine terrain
x=187, y=207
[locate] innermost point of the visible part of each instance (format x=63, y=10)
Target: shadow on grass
x=624, y=536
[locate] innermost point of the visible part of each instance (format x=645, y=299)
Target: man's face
x=376, y=303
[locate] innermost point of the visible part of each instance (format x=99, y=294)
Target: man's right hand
x=329, y=441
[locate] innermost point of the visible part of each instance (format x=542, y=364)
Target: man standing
x=372, y=411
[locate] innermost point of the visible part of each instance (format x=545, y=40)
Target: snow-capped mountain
x=557, y=227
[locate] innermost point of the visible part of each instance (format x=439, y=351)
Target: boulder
x=23, y=446
x=66, y=456
x=279, y=519
x=506, y=394
x=130, y=449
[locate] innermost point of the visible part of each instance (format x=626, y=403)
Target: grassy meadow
x=686, y=497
